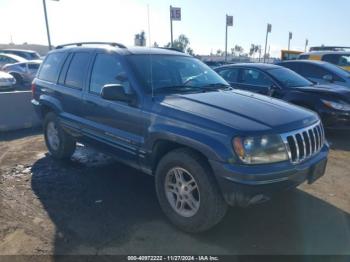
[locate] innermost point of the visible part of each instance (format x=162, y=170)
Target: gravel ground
x=93, y=205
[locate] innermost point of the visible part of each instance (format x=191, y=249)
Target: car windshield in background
x=171, y=73
x=288, y=78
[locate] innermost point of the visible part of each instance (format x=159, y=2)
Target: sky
x=203, y=22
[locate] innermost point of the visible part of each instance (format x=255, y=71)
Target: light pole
x=229, y=22
x=306, y=44
x=269, y=29
x=289, y=38
x=47, y=24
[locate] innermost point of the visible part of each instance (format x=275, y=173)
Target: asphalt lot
x=94, y=205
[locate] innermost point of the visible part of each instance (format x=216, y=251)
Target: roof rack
x=92, y=43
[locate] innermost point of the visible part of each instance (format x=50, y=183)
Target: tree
x=219, y=52
x=155, y=44
x=140, y=39
x=182, y=44
x=253, y=49
x=239, y=49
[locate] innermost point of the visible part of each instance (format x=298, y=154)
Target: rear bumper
x=247, y=185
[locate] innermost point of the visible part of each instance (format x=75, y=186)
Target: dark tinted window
x=107, y=69
x=310, y=70
x=304, y=57
x=289, y=78
x=292, y=66
x=33, y=66
x=229, y=74
x=51, y=67
x=255, y=77
x=77, y=70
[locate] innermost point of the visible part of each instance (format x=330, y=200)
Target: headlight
x=260, y=150
x=342, y=106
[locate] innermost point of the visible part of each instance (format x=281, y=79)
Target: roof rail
x=92, y=43
x=171, y=48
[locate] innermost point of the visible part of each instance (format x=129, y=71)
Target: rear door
x=255, y=81
x=71, y=83
x=115, y=123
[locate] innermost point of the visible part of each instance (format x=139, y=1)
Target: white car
x=7, y=81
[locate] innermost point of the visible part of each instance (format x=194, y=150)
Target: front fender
x=213, y=145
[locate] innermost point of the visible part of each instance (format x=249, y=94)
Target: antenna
x=151, y=64
x=149, y=28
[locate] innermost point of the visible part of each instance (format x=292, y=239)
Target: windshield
x=170, y=73
x=289, y=78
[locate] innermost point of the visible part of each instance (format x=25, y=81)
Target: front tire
x=59, y=143
x=187, y=191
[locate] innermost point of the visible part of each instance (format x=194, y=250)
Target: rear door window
x=51, y=67
x=77, y=70
x=255, y=78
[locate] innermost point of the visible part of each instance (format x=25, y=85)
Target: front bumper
x=243, y=185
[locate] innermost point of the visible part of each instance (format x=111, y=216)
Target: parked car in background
x=319, y=72
x=338, y=58
x=26, y=54
x=10, y=59
x=213, y=64
x=23, y=72
x=331, y=102
x=7, y=81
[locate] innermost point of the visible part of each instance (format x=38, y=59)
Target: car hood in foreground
x=244, y=111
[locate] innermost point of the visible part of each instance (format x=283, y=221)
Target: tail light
x=33, y=89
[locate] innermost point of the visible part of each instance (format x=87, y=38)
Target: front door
x=115, y=123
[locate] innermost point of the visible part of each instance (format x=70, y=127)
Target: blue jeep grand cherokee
x=170, y=115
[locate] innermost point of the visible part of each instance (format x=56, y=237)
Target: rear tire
x=204, y=206
x=19, y=80
x=59, y=143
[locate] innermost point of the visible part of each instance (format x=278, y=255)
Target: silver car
x=7, y=81
x=23, y=72
x=26, y=54
x=10, y=59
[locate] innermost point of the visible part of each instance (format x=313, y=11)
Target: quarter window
x=107, y=69
x=51, y=67
x=77, y=70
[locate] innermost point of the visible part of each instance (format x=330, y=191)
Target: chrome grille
x=304, y=143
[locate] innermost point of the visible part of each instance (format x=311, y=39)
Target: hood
x=332, y=90
x=244, y=111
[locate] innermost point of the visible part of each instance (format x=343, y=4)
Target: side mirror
x=115, y=92
x=272, y=89
x=328, y=78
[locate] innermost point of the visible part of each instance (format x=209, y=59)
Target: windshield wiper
x=176, y=88
x=216, y=86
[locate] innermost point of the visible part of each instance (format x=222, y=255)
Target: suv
x=171, y=116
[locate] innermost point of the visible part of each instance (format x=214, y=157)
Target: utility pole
x=47, y=25
x=269, y=29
